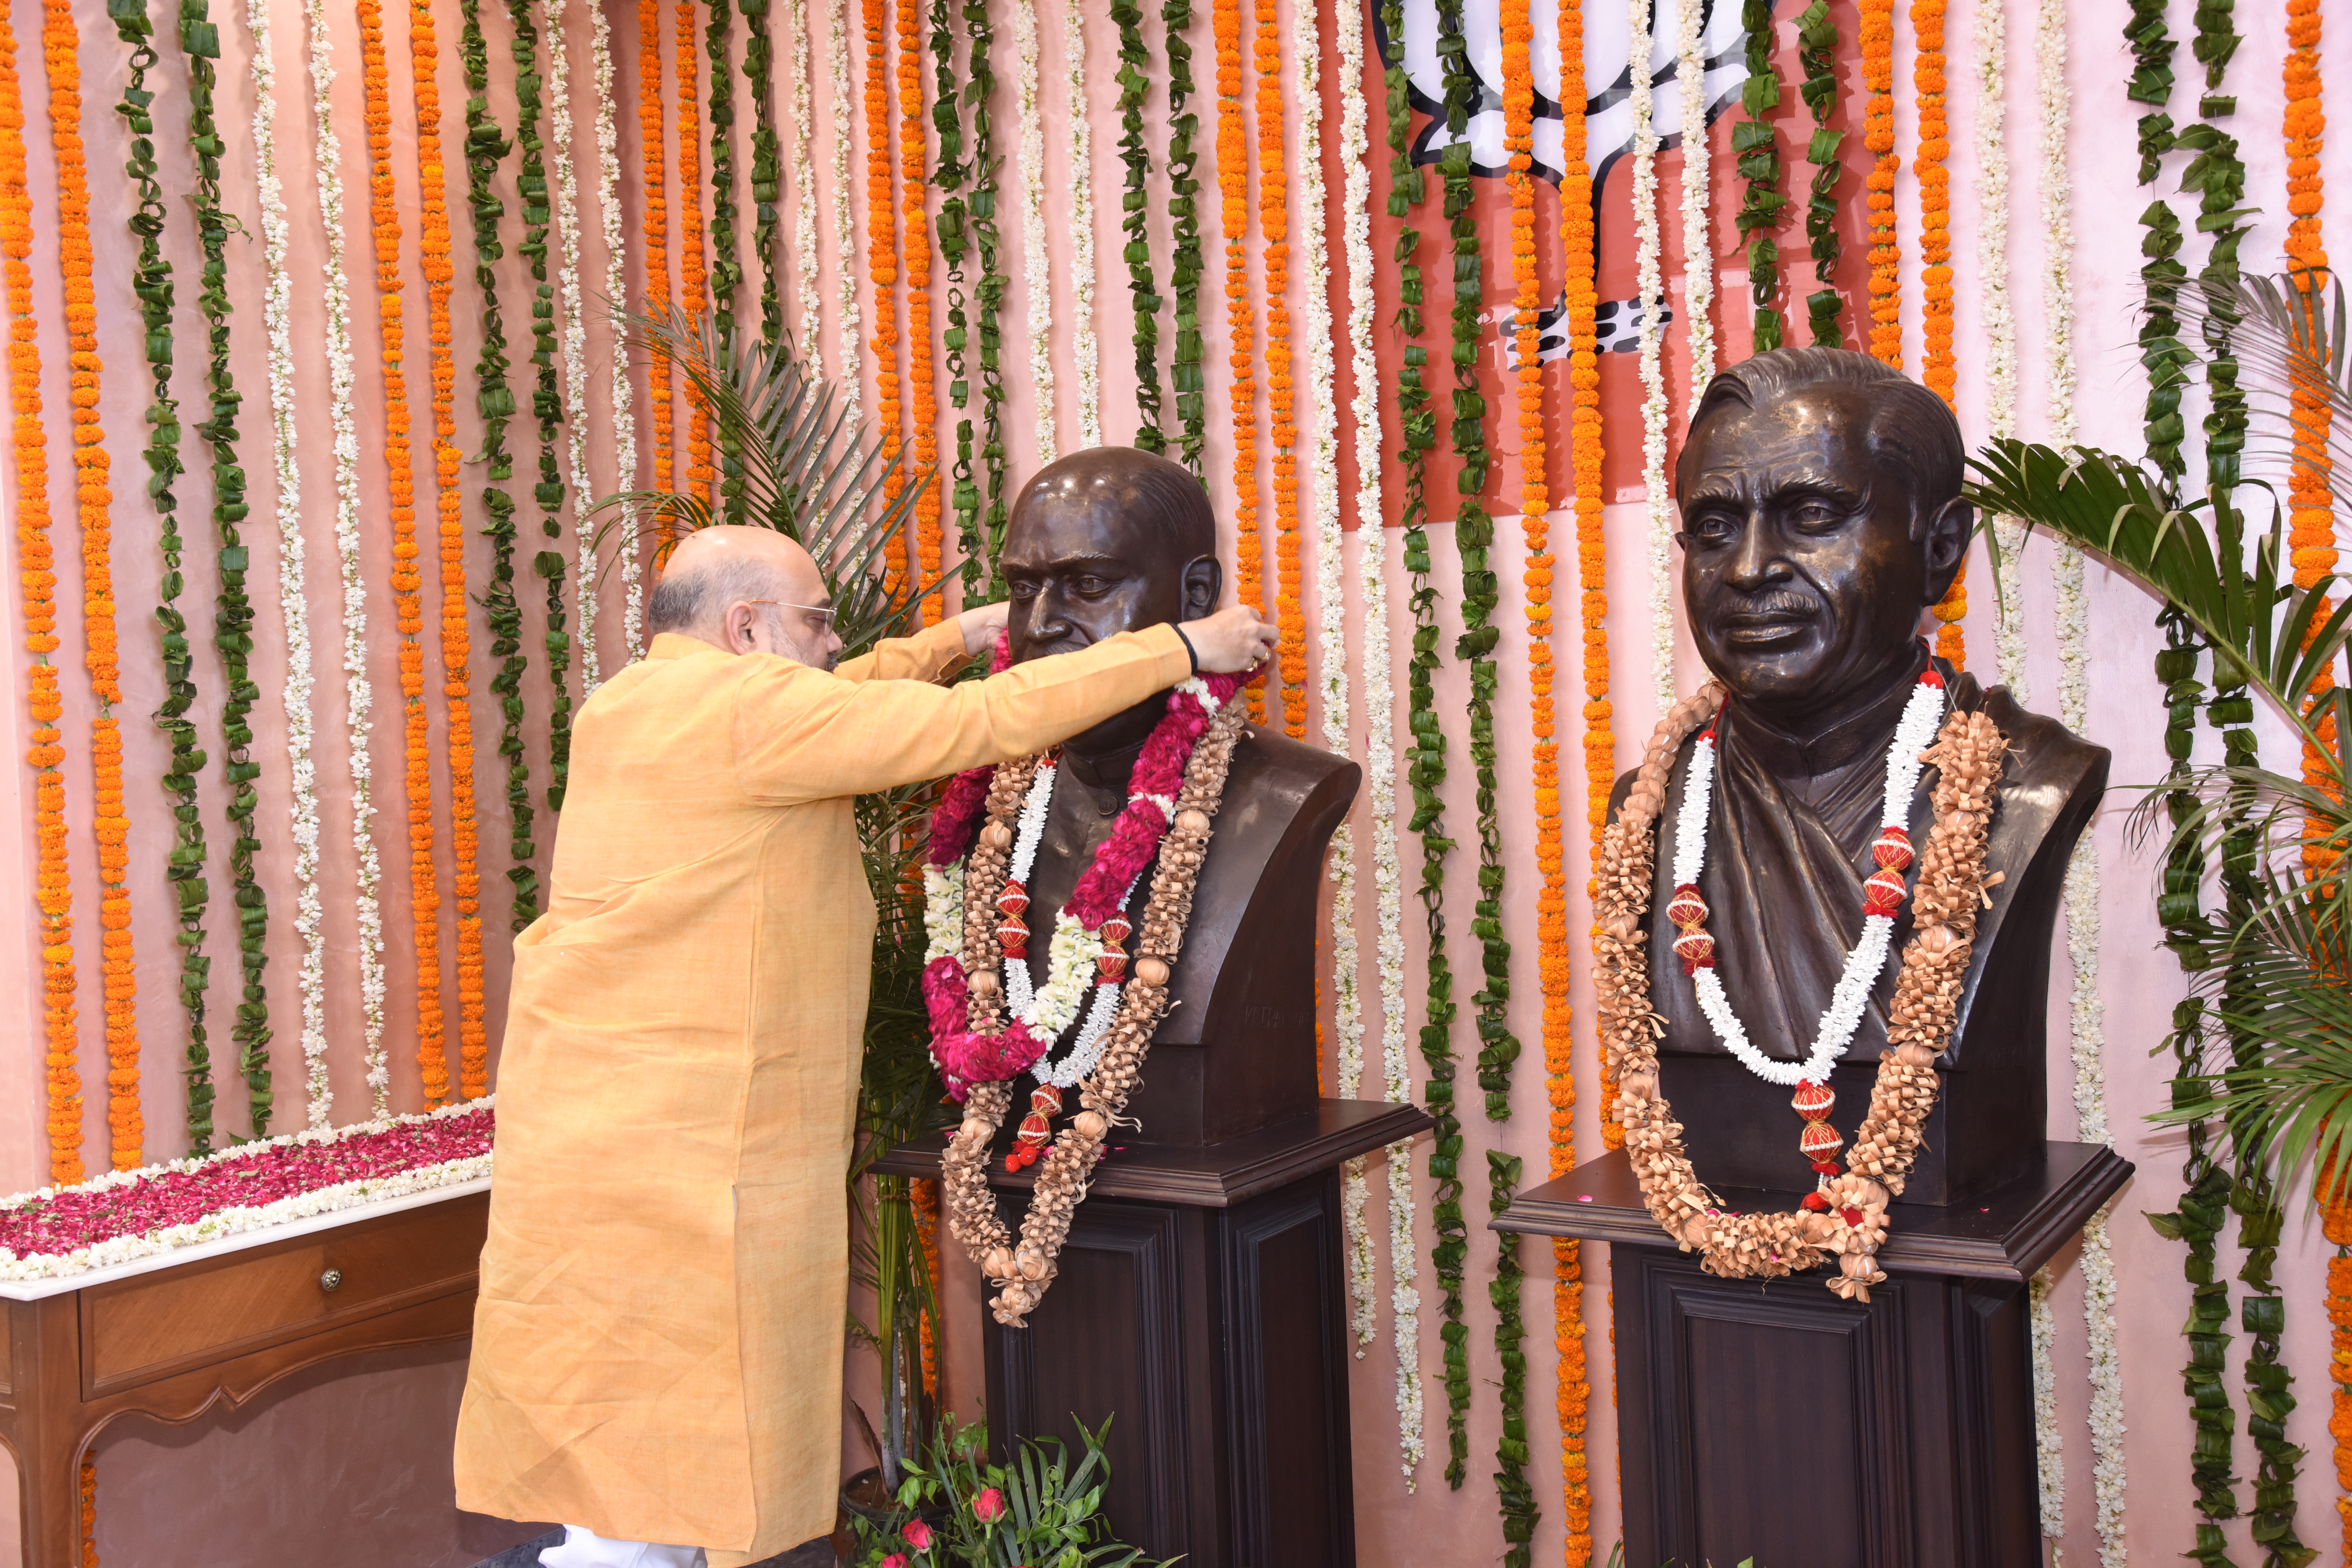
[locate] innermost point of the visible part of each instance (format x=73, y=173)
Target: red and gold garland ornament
x=914, y=187
x=693, y=266
x=650, y=130
x=1274, y=228
x=433, y=225
x=1878, y=37
x=60, y=50
x=37, y=581
x=407, y=582
x=1233, y=192
x=1846, y=1218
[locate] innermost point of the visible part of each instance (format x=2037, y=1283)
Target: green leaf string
x=2165, y=358
x=1758, y=149
x=232, y=610
x=952, y=233
x=1185, y=377
x=767, y=165
x=546, y=401
x=988, y=295
x=1417, y=426
x=1134, y=87
x=1817, y=42
x=726, y=266
x=151, y=284
x=486, y=147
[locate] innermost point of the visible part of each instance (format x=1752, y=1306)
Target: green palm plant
x=2277, y=977
x=803, y=466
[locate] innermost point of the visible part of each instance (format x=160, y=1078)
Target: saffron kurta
x=657, y=1348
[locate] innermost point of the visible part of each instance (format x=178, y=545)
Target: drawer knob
x=331, y=1279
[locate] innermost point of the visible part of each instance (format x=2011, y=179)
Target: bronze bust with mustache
x=1820, y=516
x=1113, y=540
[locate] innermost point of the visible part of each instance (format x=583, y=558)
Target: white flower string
x=1379, y=741
x=342, y=378
x=1923, y=715
x=844, y=235
x=800, y=195
x=2087, y=1010
x=276, y=310
x=616, y=286
x=1083, y=349
x=1036, y=268
x=1698, y=242
x=560, y=134
x=1999, y=319
x=1647, y=308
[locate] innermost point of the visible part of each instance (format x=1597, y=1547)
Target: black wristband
x=1189, y=651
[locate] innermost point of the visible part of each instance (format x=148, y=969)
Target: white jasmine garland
x=1698, y=243
x=2041, y=1326
x=277, y=312
x=1923, y=715
x=575, y=328
x=943, y=911
x=342, y=378
x=1083, y=349
x=1999, y=322
x=616, y=286
x=237, y=1221
x=800, y=195
x=1037, y=266
x=844, y=233
x=1649, y=303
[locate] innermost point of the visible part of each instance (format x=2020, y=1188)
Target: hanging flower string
x=2311, y=509
x=616, y=279
x=1085, y=353
x=956, y=237
x=1697, y=232
x=1817, y=56
x=800, y=189
x=882, y=248
x=1757, y=147
x=652, y=127
x=359, y=697
x=37, y=581
x=1233, y=191
x=1281, y=395
x=1579, y=307
x=693, y=266
x=922, y=376
x=846, y=331
x=1037, y=264
x=1135, y=220
x=981, y=162
x=1938, y=366
x=1650, y=306
x=101, y=656
x=574, y=306
x=1877, y=39
x=1187, y=259
x=768, y=160
x=725, y=263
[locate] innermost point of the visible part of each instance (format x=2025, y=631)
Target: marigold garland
x=1281, y=394
x=882, y=245
x=921, y=375
x=2311, y=509
x=1233, y=191
x=2339, y=1324
x=1187, y=261
x=1877, y=39
x=37, y=581
x=693, y=265
x=233, y=614
x=93, y=500
x=1580, y=308
x=1938, y=366
x=652, y=126
x=407, y=584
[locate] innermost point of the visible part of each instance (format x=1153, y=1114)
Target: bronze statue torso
x=1782, y=934
x=1236, y=1050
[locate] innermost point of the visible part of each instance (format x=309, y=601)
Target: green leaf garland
x=2165, y=358
x=546, y=400
x=232, y=610
x=1757, y=147
x=1417, y=427
x=151, y=283
x=1817, y=41
x=952, y=233
x=486, y=147
x=1185, y=258
x=1134, y=87
x=767, y=165
x=988, y=295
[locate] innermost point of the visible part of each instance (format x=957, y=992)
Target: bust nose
x=1755, y=558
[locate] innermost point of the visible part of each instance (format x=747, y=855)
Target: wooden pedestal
x=1201, y=1307
x=1770, y=1419
x=167, y=1337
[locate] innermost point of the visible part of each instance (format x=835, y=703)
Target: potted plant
x=956, y=1507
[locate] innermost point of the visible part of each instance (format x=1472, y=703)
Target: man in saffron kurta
x=658, y=1344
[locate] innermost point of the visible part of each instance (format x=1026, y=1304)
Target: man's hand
x=1233, y=639
x=980, y=625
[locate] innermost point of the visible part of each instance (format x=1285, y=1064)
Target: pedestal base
x=1770, y=1419
x=1201, y=1308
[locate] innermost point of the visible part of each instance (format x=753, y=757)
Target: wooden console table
x=167, y=1336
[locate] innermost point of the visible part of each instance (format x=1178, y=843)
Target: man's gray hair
x=692, y=601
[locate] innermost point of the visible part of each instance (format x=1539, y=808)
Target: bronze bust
x=1820, y=516
x=1114, y=540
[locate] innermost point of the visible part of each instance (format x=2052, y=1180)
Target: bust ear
x=1943, y=541
x=1204, y=584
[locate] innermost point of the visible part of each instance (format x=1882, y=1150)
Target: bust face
x=1089, y=553
x=1801, y=574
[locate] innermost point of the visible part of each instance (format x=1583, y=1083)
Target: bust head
x=1821, y=513
x=1106, y=540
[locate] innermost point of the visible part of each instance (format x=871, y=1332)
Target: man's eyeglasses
x=820, y=616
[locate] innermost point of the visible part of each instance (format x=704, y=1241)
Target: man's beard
x=798, y=651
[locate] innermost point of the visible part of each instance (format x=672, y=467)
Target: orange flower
x=882, y=256
x=1274, y=227
x=1877, y=33
x=693, y=266
x=929, y=541
x=1937, y=368
x=650, y=128
x=1233, y=190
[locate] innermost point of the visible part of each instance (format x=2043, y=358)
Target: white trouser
x=585, y=1548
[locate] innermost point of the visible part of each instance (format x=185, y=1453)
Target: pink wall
x=378, y=1429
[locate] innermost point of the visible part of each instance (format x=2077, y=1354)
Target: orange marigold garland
x=61, y=53
x=882, y=249
x=2311, y=509
x=1877, y=36
x=657, y=239
x=37, y=580
x=1938, y=367
x=1232, y=189
x=1274, y=228
x=407, y=584
x=914, y=189
x=433, y=223
x=693, y=266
